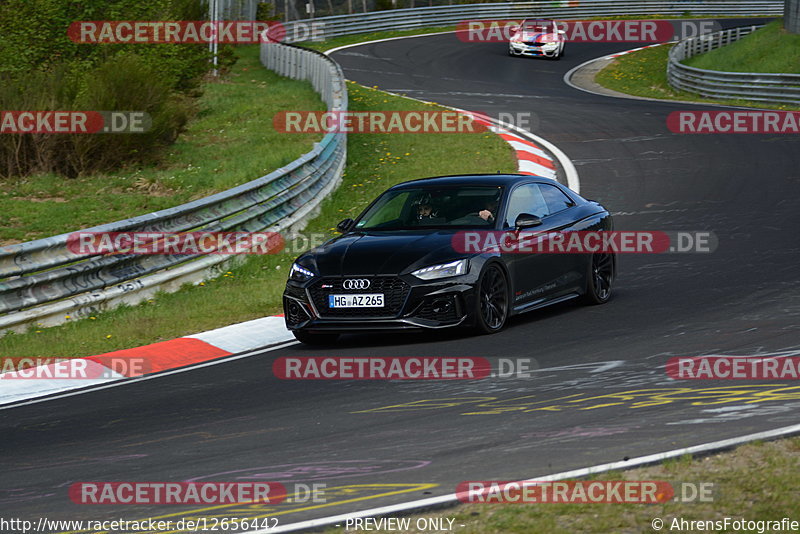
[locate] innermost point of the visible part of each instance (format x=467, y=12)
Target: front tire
x=316, y=340
x=491, y=309
x=600, y=279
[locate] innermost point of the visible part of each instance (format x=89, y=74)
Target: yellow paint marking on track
x=447, y=402
x=633, y=399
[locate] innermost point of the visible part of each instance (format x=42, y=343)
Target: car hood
x=539, y=37
x=373, y=253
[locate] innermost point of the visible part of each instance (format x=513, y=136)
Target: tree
x=791, y=16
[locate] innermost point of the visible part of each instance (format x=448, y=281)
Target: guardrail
x=784, y=88
x=42, y=281
x=429, y=17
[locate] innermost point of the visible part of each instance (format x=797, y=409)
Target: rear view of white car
x=539, y=37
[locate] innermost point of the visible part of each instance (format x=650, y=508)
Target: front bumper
x=410, y=304
x=532, y=50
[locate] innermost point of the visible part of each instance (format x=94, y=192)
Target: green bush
x=124, y=82
x=54, y=90
x=33, y=36
x=41, y=69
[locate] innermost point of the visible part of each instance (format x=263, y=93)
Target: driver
x=487, y=214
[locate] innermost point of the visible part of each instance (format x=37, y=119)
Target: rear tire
x=600, y=278
x=316, y=340
x=492, y=302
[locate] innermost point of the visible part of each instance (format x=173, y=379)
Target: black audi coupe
x=425, y=255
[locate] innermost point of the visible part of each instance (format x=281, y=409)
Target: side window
x=525, y=199
x=556, y=200
x=388, y=210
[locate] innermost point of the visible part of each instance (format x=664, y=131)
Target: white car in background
x=538, y=37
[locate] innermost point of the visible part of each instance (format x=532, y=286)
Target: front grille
x=395, y=292
x=533, y=43
x=296, y=292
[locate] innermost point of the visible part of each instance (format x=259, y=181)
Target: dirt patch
x=58, y=200
x=151, y=188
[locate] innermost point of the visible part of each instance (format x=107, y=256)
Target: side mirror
x=526, y=220
x=562, y=32
x=345, y=225
x=513, y=29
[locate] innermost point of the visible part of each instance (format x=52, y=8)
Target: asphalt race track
x=600, y=393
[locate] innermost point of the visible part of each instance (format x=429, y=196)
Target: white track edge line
x=351, y=45
x=575, y=473
x=573, y=180
x=124, y=381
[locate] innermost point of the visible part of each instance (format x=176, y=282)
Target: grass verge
x=253, y=289
x=644, y=73
x=225, y=145
x=755, y=482
x=770, y=49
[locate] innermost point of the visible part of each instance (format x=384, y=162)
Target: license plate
x=364, y=300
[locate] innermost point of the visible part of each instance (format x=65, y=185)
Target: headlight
x=454, y=268
x=300, y=274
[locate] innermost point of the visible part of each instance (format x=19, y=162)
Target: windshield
x=544, y=26
x=443, y=207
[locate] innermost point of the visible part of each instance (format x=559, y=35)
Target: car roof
x=496, y=180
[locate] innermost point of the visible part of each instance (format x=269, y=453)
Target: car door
x=567, y=267
x=528, y=270
x=538, y=276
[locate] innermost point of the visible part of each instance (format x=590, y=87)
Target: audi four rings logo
x=356, y=283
